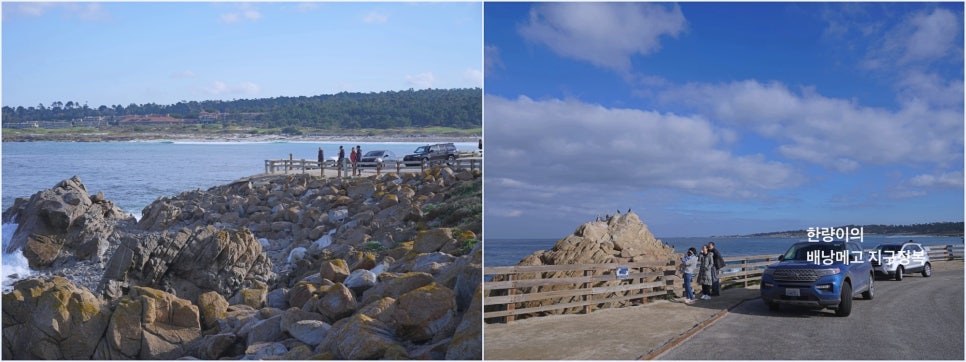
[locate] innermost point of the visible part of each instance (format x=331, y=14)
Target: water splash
x=14, y=266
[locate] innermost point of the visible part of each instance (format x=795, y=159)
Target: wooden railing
x=643, y=282
x=304, y=166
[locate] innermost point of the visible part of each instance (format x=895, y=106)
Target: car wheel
x=927, y=270
x=845, y=306
x=899, y=273
x=869, y=294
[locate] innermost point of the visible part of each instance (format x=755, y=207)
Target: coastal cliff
x=268, y=267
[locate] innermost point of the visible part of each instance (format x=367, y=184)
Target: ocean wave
x=14, y=265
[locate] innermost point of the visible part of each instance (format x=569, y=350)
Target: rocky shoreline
x=267, y=267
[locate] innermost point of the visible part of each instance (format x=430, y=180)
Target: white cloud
x=184, y=74
x=943, y=180
x=836, y=133
x=88, y=11
x=921, y=39
x=306, y=7
x=245, y=12
x=929, y=36
x=473, y=76
x=81, y=11
x=220, y=88
x=30, y=9
x=375, y=17
x=556, y=145
x=421, y=80
x=604, y=34
x=491, y=59
x=918, y=86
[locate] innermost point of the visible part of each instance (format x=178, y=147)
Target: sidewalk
x=609, y=334
x=640, y=332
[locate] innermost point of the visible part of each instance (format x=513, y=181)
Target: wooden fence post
x=587, y=273
x=510, y=292
x=949, y=252
x=743, y=275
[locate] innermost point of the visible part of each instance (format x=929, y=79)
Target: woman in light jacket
x=706, y=264
x=689, y=265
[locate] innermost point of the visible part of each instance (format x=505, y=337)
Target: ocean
x=134, y=174
x=506, y=252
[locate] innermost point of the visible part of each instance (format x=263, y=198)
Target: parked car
x=819, y=275
x=895, y=260
x=439, y=151
x=378, y=157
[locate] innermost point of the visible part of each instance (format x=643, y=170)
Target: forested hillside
x=457, y=108
x=935, y=228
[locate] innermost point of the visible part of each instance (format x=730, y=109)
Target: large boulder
x=361, y=337
x=212, y=307
x=424, y=313
x=337, y=302
x=394, y=285
x=52, y=319
x=467, y=343
x=63, y=222
x=190, y=262
x=150, y=324
x=621, y=238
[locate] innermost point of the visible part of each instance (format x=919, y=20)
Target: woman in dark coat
x=705, y=278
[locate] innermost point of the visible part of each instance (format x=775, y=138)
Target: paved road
x=917, y=318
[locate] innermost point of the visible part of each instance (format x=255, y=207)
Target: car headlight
x=826, y=272
x=769, y=271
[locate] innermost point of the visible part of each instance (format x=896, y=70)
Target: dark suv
x=819, y=275
x=439, y=151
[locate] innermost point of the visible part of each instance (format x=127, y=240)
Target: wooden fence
x=304, y=166
x=642, y=282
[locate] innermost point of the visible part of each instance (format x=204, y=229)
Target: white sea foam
x=14, y=263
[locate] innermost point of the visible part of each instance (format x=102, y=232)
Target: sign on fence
x=621, y=272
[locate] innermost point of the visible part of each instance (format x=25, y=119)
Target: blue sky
x=122, y=53
x=722, y=118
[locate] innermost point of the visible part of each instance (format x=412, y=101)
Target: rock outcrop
x=189, y=262
x=63, y=223
x=621, y=238
x=52, y=319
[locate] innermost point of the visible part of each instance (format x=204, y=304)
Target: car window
x=855, y=250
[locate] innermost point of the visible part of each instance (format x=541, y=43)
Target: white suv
x=896, y=260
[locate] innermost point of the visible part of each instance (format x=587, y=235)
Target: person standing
x=355, y=168
x=354, y=159
x=341, y=160
x=719, y=264
x=689, y=265
x=705, y=264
